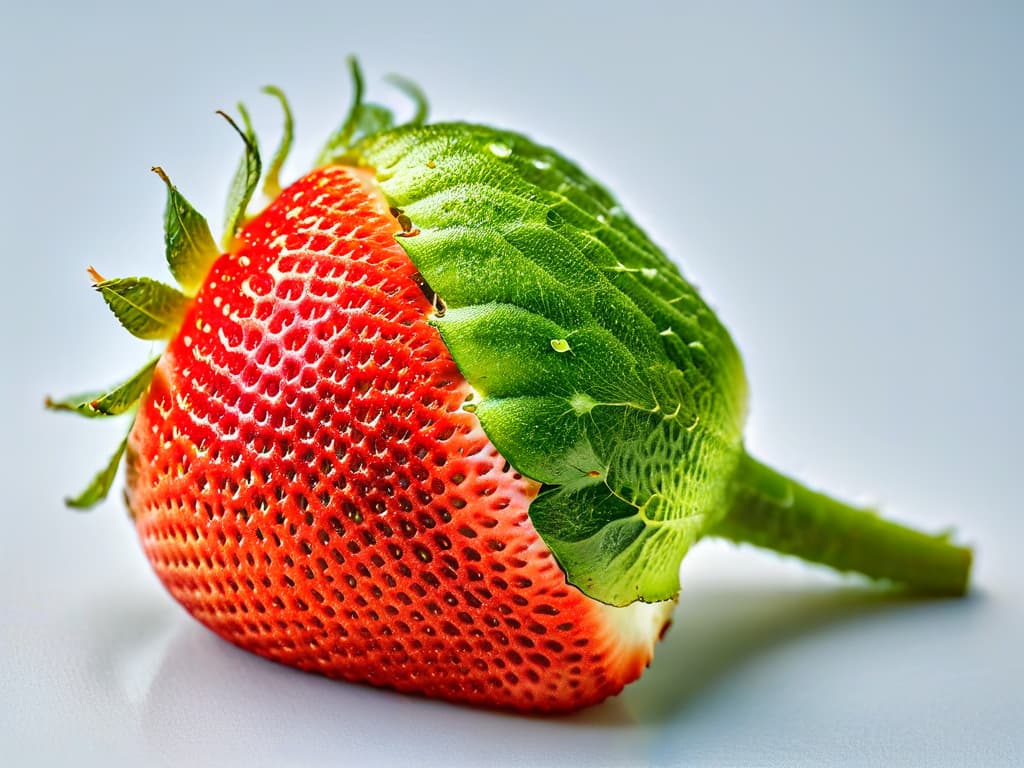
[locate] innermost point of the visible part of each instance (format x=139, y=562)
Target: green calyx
x=601, y=372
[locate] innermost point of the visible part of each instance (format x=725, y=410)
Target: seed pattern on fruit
x=307, y=483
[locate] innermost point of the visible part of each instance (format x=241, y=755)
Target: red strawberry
x=306, y=483
x=443, y=419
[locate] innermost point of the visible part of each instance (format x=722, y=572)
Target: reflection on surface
x=751, y=647
x=131, y=644
x=225, y=703
x=719, y=631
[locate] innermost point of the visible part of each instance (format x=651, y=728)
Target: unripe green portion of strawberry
x=307, y=483
x=601, y=372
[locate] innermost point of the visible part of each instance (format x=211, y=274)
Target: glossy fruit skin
x=306, y=481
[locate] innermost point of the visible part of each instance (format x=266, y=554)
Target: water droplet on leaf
x=499, y=150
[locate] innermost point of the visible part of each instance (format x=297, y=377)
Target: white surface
x=845, y=185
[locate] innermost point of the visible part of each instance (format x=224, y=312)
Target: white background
x=843, y=182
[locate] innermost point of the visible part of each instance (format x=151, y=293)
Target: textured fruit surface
x=307, y=483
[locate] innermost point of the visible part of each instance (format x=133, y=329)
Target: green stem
x=774, y=511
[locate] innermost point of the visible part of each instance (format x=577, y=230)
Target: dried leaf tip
x=162, y=174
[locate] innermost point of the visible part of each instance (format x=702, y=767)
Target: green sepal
x=272, y=179
x=600, y=534
x=147, y=308
x=112, y=402
x=561, y=454
x=366, y=119
x=415, y=94
x=360, y=117
x=99, y=488
x=190, y=247
x=246, y=178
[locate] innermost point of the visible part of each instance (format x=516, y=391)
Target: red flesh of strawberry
x=306, y=483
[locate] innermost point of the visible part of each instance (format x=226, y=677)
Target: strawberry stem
x=774, y=511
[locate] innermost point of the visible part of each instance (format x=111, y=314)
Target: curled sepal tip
x=246, y=178
x=112, y=402
x=189, y=244
x=341, y=139
x=363, y=118
x=147, y=308
x=99, y=488
x=415, y=94
x=272, y=179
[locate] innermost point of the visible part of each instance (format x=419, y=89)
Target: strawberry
x=441, y=418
